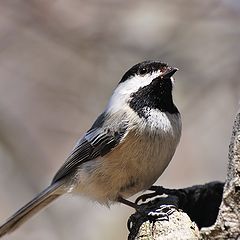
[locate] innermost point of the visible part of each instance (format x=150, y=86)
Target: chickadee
x=127, y=148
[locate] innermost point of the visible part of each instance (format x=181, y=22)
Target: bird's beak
x=169, y=72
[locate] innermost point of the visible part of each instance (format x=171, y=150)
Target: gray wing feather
x=98, y=141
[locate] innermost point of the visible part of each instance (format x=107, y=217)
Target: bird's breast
x=141, y=160
x=132, y=166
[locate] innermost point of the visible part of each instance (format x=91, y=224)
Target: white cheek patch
x=122, y=93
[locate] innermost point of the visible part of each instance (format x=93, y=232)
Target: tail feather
x=35, y=205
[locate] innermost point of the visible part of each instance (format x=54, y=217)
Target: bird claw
x=160, y=214
x=144, y=197
x=157, y=190
x=163, y=212
x=149, y=211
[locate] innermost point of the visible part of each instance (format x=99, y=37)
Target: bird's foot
x=157, y=191
x=163, y=212
x=150, y=213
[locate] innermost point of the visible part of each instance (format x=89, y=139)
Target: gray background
x=60, y=61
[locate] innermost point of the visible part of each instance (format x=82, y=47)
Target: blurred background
x=59, y=62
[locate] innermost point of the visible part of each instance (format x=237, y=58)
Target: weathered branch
x=214, y=207
x=227, y=225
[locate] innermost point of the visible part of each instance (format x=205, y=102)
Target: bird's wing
x=98, y=141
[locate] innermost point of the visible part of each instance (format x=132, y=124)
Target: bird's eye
x=142, y=71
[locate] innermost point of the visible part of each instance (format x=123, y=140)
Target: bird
x=125, y=150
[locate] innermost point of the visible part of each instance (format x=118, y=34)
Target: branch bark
x=210, y=211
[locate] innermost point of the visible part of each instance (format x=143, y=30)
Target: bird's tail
x=35, y=205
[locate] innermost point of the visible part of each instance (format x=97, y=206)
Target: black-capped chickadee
x=126, y=149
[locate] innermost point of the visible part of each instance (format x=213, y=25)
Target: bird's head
x=147, y=85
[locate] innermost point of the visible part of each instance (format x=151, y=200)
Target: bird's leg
x=128, y=203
